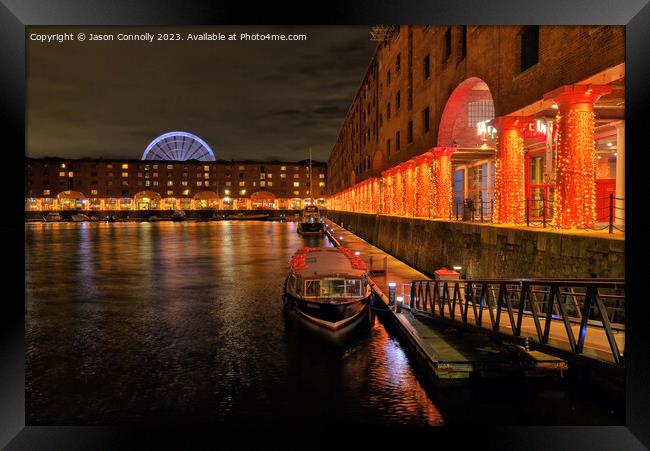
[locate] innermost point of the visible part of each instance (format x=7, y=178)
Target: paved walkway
x=596, y=344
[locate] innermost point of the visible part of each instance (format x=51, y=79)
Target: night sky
x=257, y=100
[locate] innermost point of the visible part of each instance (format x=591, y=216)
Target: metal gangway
x=569, y=318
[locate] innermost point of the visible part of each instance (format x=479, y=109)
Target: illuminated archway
x=147, y=200
x=71, y=200
x=469, y=103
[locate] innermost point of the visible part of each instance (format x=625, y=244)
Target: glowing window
x=125, y=174
x=125, y=166
x=46, y=192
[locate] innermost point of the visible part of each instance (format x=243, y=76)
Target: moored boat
x=179, y=215
x=79, y=217
x=52, y=217
x=310, y=222
x=328, y=286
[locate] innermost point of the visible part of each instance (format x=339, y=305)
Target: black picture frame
x=16, y=14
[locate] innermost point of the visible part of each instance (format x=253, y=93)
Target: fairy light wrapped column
x=509, y=206
x=575, y=179
x=408, y=180
x=423, y=184
x=375, y=193
x=442, y=181
x=387, y=191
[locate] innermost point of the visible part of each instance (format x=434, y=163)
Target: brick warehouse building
x=517, y=120
x=71, y=184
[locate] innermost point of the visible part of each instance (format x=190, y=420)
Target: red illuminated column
x=442, y=181
x=408, y=176
x=423, y=185
x=375, y=195
x=387, y=178
x=509, y=200
x=575, y=179
x=398, y=199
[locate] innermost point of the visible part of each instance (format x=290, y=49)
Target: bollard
x=398, y=305
x=391, y=293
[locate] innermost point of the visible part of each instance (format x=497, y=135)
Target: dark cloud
x=247, y=99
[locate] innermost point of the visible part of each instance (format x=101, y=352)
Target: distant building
x=57, y=183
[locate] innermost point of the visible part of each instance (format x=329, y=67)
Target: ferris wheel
x=178, y=146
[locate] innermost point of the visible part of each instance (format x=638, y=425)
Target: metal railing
x=538, y=212
x=596, y=305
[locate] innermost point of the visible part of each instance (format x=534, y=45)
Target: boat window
x=353, y=287
x=312, y=288
x=337, y=287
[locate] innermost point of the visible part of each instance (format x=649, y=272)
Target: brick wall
x=486, y=251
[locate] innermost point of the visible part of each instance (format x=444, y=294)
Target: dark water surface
x=149, y=322
x=184, y=322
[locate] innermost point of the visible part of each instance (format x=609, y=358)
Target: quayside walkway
x=459, y=344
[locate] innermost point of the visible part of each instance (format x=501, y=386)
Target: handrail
x=589, y=305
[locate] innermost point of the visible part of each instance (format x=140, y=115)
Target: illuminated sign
x=538, y=127
x=484, y=130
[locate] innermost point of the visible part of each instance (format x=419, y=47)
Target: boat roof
x=320, y=262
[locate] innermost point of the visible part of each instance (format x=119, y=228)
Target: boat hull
x=329, y=315
x=310, y=227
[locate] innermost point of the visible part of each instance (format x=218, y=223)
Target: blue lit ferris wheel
x=178, y=146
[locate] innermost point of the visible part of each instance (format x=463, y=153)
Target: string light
x=442, y=179
x=509, y=171
x=408, y=174
x=575, y=189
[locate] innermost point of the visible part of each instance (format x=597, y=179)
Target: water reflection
x=148, y=322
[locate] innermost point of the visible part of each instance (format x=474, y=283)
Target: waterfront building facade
x=506, y=123
x=85, y=184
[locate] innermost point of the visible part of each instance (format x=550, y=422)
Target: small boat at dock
x=79, y=217
x=53, y=216
x=328, y=286
x=310, y=223
x=179, y=215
